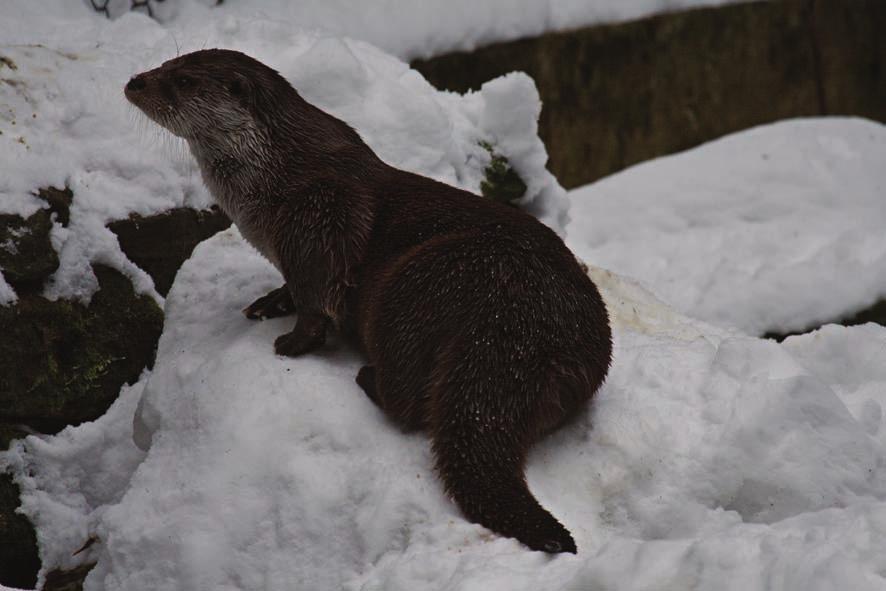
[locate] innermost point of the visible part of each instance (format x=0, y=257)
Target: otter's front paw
x=275, y=304
x=293, y=344
x=309, y=334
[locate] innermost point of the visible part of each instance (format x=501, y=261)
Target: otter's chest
x=252, y=213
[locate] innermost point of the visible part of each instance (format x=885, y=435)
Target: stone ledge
x=620, y=94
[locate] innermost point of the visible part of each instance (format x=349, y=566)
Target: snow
x=65, y=121
x=778, y=228
x=7, y=294
x=711, y=459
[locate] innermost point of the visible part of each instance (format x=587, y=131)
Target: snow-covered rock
x=777, y=228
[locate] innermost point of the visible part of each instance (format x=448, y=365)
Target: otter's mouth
x=136, y=91
x=144, y=94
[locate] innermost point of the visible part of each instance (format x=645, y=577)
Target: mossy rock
x=19, y=561
x=26, y=254
x=62, y=363
x=159, y=244
x=59, y=201
x=8, y=432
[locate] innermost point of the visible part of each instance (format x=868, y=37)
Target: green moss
x=502, y=183
x=99, y=368
x=62, y=363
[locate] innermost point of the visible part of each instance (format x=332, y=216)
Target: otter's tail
x=480, y=459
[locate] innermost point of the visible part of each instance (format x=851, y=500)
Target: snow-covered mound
x=710, y=460
x=780, y=227
x=65, y=121
x=406, y=28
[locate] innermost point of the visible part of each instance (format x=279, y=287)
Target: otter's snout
x=135, y=90
x=136, y=83
x=141, y=92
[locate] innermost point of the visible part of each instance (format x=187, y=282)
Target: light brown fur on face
x=478, y=324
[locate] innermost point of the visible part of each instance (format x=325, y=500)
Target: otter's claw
x=273, y=305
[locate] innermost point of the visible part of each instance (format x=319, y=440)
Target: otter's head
x=209, y=93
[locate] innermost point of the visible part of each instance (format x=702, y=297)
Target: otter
x=478, y=324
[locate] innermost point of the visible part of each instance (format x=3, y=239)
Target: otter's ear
x=241, y=89
x=237, y=85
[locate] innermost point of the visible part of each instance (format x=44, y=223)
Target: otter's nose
x=136, y=83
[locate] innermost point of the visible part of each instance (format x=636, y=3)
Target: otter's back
x=465, y=269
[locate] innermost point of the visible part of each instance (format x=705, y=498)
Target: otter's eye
x=183, y=82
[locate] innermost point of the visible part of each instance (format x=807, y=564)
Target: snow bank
x=709, y=460
x=775, y=228
x=406, y=28
x=67, y=122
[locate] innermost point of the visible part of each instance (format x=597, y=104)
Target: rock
x=875, y=313
x=9, y=431
x=619, y=94
x=19, y=561
x=159, y=244
x=59, y=202
x=26, y=254
x=851, y=52
x=62, y=363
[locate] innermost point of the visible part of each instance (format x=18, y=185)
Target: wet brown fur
x=478, y=323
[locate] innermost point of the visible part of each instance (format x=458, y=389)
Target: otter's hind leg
x=401, y=400
x=276, y=303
